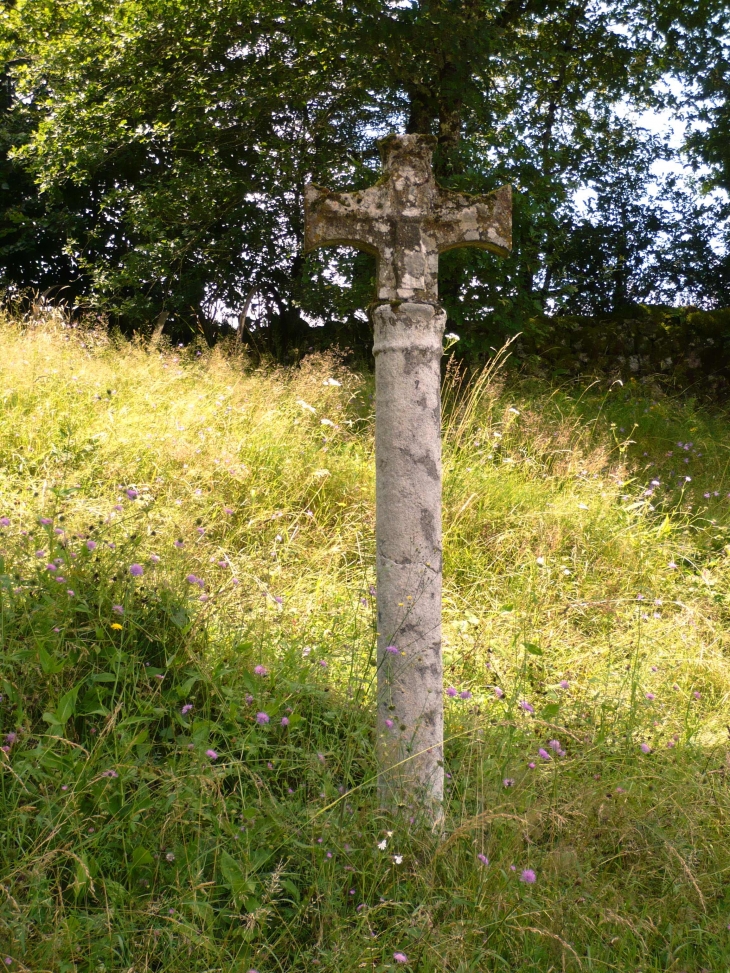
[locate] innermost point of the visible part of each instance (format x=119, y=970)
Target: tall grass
x=187, y=773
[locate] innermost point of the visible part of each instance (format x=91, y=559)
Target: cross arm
x=342, y=219
x=461, y=220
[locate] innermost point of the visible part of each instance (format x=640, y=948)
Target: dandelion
x=261, y=670
x=645, y=748
x=391, y=649
x=400, y=957
x=451, y=692
x=528, y=876
x=211, y=754
x=483, y=859
x=186, y=709
x=262, y=718
x=527, y=707
x=285, y=721
x=116, y=626
x=136, y=570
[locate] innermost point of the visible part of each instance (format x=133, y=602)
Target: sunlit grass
x=166, y=806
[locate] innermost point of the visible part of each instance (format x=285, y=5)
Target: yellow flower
x=117, y=626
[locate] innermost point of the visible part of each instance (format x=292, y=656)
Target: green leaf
x=67, y=705
x=532, y=648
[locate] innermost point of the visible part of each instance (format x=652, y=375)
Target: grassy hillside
x=187, y=640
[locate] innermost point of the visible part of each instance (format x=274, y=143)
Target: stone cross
x=406, y=220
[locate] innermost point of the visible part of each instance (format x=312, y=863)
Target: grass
x=151, y=821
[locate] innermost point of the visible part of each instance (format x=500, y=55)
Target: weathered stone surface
x=406, y=220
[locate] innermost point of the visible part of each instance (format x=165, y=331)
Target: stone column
x=408, y=348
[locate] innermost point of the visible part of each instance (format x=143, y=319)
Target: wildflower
x=398, y=859
x=400, y=957
x=201, y=530
x=697, y=695
x=261, y=670
x=212, y=754
x=132, y=493
x=59, y=578
x=170, y=856
x=383, y=844
x=465, y=694
x=159, y=675
x=186, y=709
x=528, y=876
x=531, y=765
x=323, y=663
x=249, y=698
x=650, y=696
x=540, y=561
x=543, y=753
x=110, y=773
x=262, y=718
x=452, y=692
x=499, y=693
x=118, y=609
x=285, y=721
x=389, y=724
x=555, y=745
x=11, y=738
x=192, y=579
x=179, y=543
x=527, y=707
x=391, y=649
x=40, y=553
x=91, y=545
x=672, y=565
x=116, y=625
x=51, y=567
x=136, y=570
x=508, y=782
x=154, y=558
x=46, y=521
x=70, y=593
x=4, y=522
x=483, y=859
x=228, y=510
x=645, y=748
x=564, y=684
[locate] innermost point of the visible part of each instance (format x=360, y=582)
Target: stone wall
x=688, y=348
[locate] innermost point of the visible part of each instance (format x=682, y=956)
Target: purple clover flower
x=544, y=754
x=211, y=754
x=451, y=692
x=136, y=570
x=465, y=694
x=400, y=957
x=186, y=709
x=285, y=721
x=391, y=649
x=261, y=670
x=645, y=748
x=527, y=707
x=483, y=859
x=528, y=876
x=262, y=718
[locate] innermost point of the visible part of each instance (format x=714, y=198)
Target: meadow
x=187, y=587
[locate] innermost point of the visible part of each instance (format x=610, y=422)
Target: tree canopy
x=153, y=152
